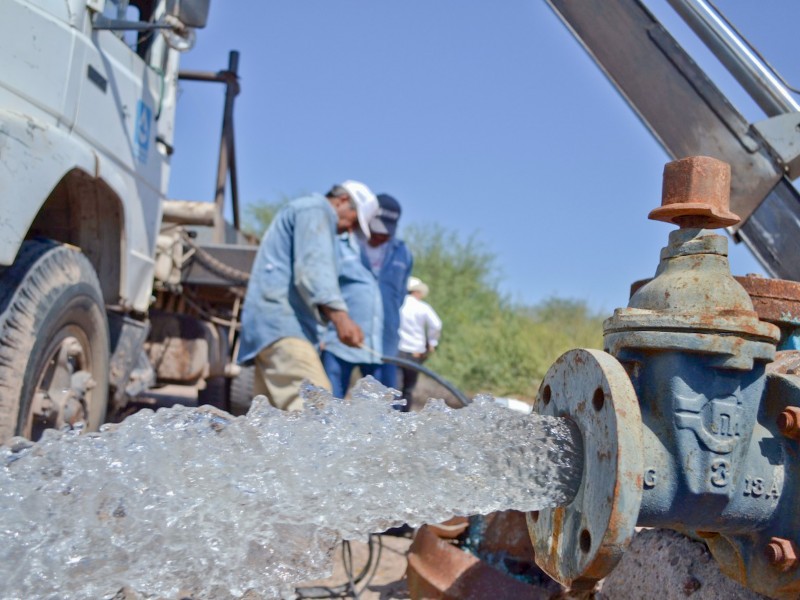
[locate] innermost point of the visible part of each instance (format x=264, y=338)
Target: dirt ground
x=389, y=579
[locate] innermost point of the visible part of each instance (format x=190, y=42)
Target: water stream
x=193, y=502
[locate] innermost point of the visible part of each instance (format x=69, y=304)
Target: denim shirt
x=393, y=279
x=295, y=272
x=363, y=298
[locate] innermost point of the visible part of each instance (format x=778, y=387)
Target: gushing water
x=194, y=501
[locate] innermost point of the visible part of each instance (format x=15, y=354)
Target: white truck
x=100, y=296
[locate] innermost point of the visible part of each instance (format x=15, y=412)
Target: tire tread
x=43, y=268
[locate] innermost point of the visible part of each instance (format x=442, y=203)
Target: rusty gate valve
x=690, y=430
x=697, y=351
x=696, y=193
x=693, y=303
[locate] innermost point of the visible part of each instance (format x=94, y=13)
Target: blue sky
x=485, y=117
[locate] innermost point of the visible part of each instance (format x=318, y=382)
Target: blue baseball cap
x=385, y=221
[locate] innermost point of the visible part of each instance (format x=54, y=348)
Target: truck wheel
x=242, y=390
x=215, y=393
x=53, y=342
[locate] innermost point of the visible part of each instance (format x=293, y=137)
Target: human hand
x=349, y=333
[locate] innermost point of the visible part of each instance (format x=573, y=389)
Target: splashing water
x=201, y=502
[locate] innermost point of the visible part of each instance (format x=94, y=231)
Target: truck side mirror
x=192, y=13
x=178, y=23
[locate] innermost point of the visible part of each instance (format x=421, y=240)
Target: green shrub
x=258, y=216
x=490, y=344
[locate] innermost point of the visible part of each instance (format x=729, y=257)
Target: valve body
x=718, y=417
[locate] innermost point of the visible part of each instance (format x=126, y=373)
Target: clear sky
x=485, y=117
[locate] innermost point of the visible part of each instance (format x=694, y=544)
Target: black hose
x=346, y=590
x=410, y=364
x=347, y=562
x=219, y=268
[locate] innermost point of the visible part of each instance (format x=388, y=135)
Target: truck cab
x=88, y=94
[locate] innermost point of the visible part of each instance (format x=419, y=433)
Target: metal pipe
x=751, y=73
x=188, y=212
x=226, y=165
x=232, y=173
x=231, y=91
x=225, y=147
x=101, y=22
x=218, y=77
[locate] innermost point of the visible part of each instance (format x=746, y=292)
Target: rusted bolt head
x=789, y=422
x=696, y=193
x=781, y=553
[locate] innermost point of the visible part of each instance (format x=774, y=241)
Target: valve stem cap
x=696, y=193
x=781, y=553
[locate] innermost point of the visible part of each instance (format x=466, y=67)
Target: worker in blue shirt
x=363, y=298
x=390, y=261
x=294, y=287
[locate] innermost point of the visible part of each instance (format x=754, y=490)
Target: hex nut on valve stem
x=781, y=553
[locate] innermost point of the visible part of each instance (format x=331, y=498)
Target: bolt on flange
x=789, y=422
x=781, y=553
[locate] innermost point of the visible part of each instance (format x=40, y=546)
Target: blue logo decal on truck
x=141, y=135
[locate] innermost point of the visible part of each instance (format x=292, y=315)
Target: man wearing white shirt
x=420, y=329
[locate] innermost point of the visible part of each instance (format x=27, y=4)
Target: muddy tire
x=53, y=342
x=215, y=393
x=242, y=387
x=232, y=395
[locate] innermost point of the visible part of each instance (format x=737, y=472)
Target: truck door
x=44, y=75
x=120, y=103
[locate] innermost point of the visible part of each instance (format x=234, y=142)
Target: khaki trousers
x=282, y=366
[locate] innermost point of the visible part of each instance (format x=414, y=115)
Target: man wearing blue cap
x=390, y=261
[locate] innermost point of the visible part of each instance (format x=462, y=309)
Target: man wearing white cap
x=294, y=288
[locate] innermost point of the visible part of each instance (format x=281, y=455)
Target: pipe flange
x=744, y=323
x=582, y=542
x=775, y=300
x=737, y=337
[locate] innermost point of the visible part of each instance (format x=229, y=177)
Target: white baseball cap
x=366, y=203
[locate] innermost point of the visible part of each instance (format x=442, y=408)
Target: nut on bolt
x=781, y=553
x=789, y=422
